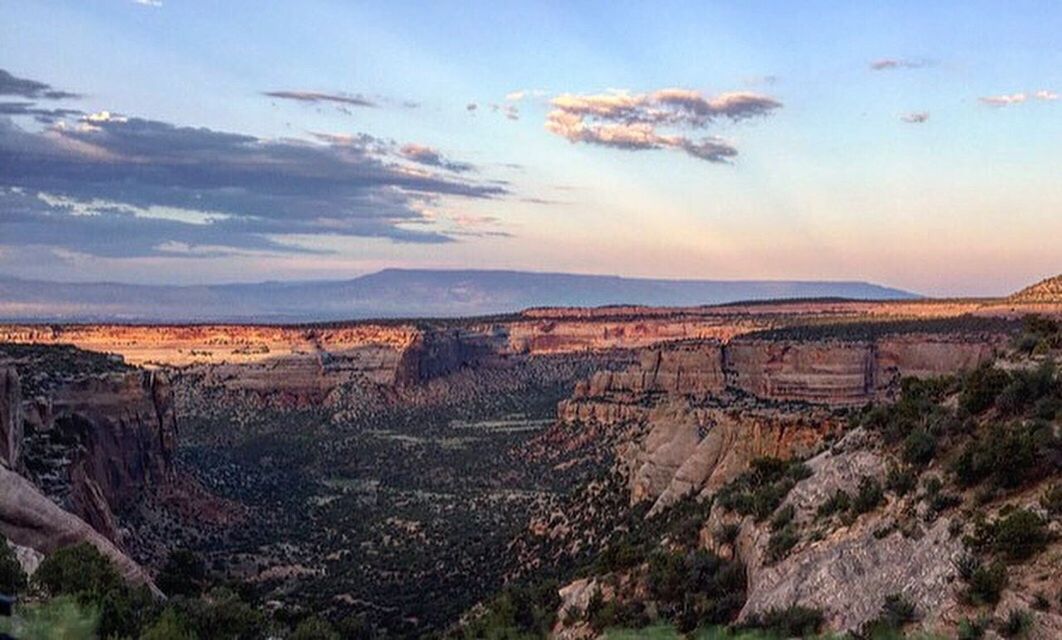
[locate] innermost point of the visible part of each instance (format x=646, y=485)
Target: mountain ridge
x=396, y=293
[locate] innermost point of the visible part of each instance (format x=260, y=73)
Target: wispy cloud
x=510, y=111
x=887, y=64
x=648, y=120
x=431, y=157
x=11, y=85
x=915, y=117
x=149, y=3
x=1007, y=100
x=355, y=100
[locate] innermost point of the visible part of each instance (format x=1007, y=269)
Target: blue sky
x=906, y=144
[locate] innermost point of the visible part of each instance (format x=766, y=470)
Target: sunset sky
x=916, y=145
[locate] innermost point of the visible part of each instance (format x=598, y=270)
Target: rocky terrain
x=1047, y=292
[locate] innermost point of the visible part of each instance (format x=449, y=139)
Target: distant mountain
x=1047, y=291
x=392, y=293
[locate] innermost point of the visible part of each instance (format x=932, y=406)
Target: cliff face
x=100, y=441
x=97, y=444
x=10, y=418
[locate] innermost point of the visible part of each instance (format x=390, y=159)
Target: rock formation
x=10, y=418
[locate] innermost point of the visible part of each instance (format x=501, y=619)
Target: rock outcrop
x=29, y=519
x=10, y=418
x=698, y=450
x=97, y=444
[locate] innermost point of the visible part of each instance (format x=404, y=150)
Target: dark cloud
x=317, y=97
x=641, y=121
x=43, y=115
x=126, y=186
x=887, y=64
x=915, y=117
x=14, y=86
x=431, y=157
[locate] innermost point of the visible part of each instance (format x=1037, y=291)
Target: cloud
x=11, y=85
x=888, y=64
x=431, y=157
x=107, y=184
x=317, y=97
x=510, y=111
x=915, y=117
x=1019, y=98
x=149, y=3
x=43, y=115
x=1004, y=100
x=642, y=121
x=471, y=106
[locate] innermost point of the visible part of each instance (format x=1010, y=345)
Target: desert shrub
x=1027, y=388
x=61, y=617
x=919, y=447
x=792, y=622
x=12, y=577
x=314, y=628
x=981, y=387
x=169, y=626
x=900, y=480
x=1017, y=535
x=221, y=613
x=783, y=517
x=184, y=574
x=972, y=629
x=528, y=609
x=1016, y=624
x=727, y=533
x=760, y=490
x=781, y=542
x=896, y=612
x=79, y=570
x=839, y=502
x=696, y=588
x=1008, y=455
x=619, y=555
x=869, y=496
x=984, y=584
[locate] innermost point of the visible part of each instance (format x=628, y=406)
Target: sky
x=175, y=141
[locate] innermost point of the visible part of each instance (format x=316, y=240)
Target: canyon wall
x=828, y=372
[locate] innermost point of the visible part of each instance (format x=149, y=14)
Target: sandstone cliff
x=10, y=418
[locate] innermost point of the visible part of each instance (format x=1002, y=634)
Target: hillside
x=393, y=293
x=1048, y=291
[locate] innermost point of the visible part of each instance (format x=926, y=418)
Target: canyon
x=375, y=449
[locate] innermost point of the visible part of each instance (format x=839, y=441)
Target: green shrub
x=761, y=489
x=919, y=447
x=781, y=542
x=1016, y=624
x=972, y=629
x=696, y=588
x=792, y=622
x=12, y=577
x=184, y=574
x=1008, y=455
x=783, y=517
x=314, y=628
x=868, y=498
x=896, y=612
x=170, y=626
x=900, y=480
x=727, y=533
x=79, y=570
x=984, y=583
x=839, y=502
x=61, y=617
x=981, y=387
x=1017, y=535
x=1051, y=501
